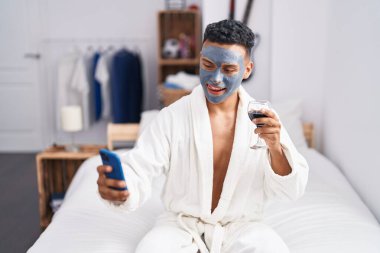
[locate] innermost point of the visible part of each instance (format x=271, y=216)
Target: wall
x=298, y=56
x=327, y=53
x=259, y=22
x=352, y=98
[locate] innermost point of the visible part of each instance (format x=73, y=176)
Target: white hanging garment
x=73, y=86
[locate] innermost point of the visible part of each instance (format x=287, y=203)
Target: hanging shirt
x=126, y=87
x=73, y=87
x=103, y=77
x=96, y=87
x=88, y=60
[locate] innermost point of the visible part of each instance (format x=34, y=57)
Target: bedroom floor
x=19, y=219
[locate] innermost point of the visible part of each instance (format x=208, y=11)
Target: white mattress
x=329, y=218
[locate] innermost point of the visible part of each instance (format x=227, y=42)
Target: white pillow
x=290, y=112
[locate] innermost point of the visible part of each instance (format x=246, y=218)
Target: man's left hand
x=270, y=131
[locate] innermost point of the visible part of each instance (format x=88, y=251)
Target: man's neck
x=229, y=105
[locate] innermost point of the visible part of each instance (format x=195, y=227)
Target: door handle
x=35, y=56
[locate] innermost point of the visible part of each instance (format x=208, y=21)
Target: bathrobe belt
x=192, y=225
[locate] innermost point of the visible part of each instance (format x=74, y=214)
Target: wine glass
x=255, y=111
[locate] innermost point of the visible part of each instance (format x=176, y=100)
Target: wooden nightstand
x=55, y=170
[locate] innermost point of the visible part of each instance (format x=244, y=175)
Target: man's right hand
x=105, y=183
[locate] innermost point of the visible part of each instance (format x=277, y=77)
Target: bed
x=330, y=217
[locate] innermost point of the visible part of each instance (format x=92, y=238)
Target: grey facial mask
x=218, y=79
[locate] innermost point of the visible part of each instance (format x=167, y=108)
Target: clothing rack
x=83, y=43
x=52, y=49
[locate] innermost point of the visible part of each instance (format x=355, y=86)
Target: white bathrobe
x=179, y=144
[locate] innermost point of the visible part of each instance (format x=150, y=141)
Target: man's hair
x=230, y=32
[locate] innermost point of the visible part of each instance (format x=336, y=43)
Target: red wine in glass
x=256, y=115
x=255, y=112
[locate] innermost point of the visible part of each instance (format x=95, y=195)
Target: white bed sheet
x=329, y=218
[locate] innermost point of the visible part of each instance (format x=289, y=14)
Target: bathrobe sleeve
x=148, y=159
x=291, y=186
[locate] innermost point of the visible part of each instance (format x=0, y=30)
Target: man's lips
x=214, y=90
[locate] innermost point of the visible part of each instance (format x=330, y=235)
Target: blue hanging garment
x=126, y=87
x=96, y=88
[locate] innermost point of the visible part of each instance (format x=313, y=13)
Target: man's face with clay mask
x=221, y=70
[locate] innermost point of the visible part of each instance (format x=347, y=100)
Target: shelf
x=169, y=96
x=59, y=152
x=173, y=24
x=191, y=62
x=56, y=168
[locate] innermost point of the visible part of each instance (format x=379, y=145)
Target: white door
x=20, y=90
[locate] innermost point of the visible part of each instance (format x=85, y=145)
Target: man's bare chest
x=222, y=148
x=222, y=137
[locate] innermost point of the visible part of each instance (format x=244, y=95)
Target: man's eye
x=230, y=70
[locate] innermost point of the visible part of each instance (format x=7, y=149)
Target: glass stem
x=260, y=141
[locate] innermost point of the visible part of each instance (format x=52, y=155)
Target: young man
x=216, y=186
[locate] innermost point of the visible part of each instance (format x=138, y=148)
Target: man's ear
x=248, y=70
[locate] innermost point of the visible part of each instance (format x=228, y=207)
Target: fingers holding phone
x=111, y=181
x=109, y=188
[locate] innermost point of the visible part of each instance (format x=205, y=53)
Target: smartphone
x=111, y=159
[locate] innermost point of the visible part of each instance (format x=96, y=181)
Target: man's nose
x=217, y=77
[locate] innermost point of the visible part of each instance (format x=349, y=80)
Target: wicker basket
x=168, y=96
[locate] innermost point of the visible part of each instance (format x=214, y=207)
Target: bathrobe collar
x=204, y=151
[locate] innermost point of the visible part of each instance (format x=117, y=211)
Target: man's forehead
x=234, y=49
x=222, y=62
x=221, y=55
